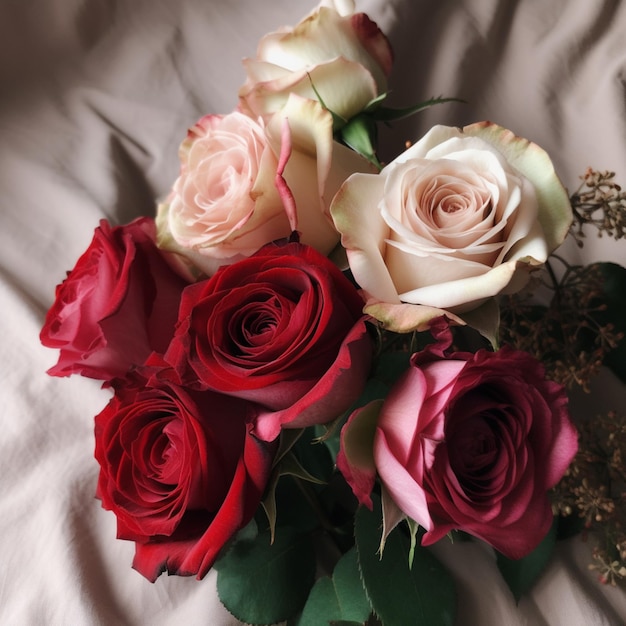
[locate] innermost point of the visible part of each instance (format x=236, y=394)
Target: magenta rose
x=118, y=304
x=282, y=328
x=466, y=441
x=180, y=470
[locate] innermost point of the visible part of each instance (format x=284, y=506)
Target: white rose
x=459, y=217
x=338, y=53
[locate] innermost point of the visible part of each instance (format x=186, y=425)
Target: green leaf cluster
x=261, y=582
x=361, y=132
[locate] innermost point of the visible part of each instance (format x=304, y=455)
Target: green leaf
x=340, y=599
x=264, y=583
x=303, y=460
x=614, y=288
x=386, y=114
x=359, y=133
x=374, y=103
x=423, y=595
x=520, y=575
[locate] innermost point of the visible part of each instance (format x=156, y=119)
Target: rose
x=465, y=441
x=117, y=305
x=283, y=329
x=243, y=185
x=335, y=54
x=224, y=204
x=461, y=216
x=180, y=470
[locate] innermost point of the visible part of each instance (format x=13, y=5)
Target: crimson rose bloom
x=117, y=305
x=467, y=441
x=282, y=328
x=180, y=470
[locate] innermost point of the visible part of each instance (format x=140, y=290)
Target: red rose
x=117, y=305
x=180, y=470
x=467, y=441
x=282, y=328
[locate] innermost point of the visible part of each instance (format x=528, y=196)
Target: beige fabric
x=96, y=96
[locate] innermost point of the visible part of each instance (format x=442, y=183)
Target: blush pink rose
x=224, y=205
x=466, y=441
x=244, y=183
x=460, y=217
x=180, y=470
x=118, y=304
x=282, y=328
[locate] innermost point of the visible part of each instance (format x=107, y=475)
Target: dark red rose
x=180, y=470
x=118, y=304
x=282, y=328
x=465, y=441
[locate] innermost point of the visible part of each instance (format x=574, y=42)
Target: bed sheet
x=96, y=96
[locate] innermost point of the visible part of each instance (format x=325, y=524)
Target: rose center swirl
x=258, y=323
x=482, y=453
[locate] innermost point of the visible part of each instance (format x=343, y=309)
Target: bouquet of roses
x=319, y=366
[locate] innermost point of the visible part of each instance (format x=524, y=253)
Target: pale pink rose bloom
x=461, y=216
x=341, y=54
x=243, y=184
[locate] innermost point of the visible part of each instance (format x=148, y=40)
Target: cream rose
x=243, y=184
x=459, y=217
x=340, y=53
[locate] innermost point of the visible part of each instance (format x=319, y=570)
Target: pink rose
x=282, y=328
x=224, y=205
x=180, y=470
x=243, y=184
x=465, y=441
x=118, y=304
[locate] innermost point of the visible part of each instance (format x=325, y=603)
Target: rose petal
x=363, y=233
x=355, y=459
x=467, y=293
x=331, y=395
x=406, y=318
x=555, y=211
x=400, y=485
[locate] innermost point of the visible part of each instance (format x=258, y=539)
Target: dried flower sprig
x=572, y=338
x=594, y=489
x=567, y=335
x=600, y=202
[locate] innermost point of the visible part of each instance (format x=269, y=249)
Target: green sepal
x=289, y=466
x=387, y=114
x=260, y=582
x=413, y=529
x=521, y=574
x=339, y=599
x=423, y=594
x=359, y=133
